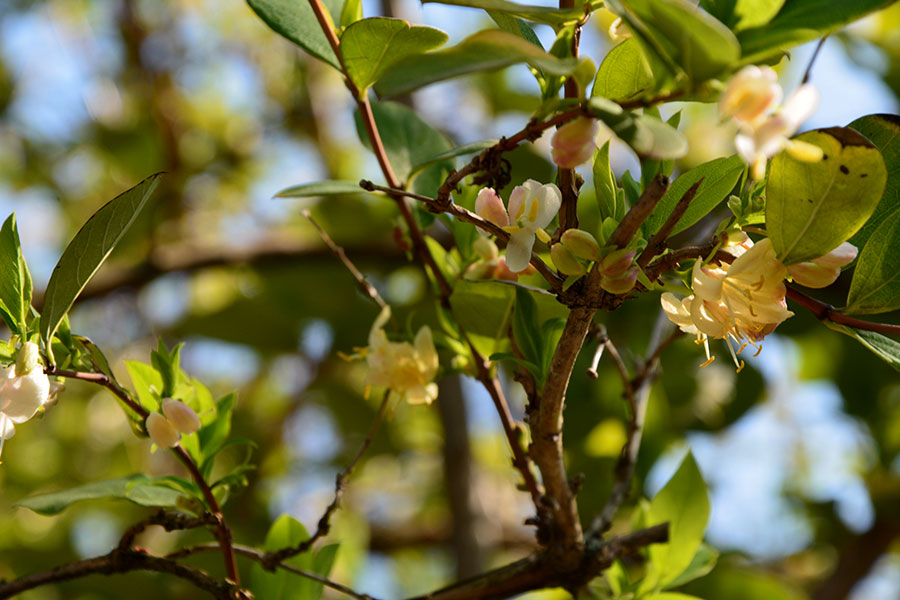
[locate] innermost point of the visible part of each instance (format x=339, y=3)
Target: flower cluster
x=404, y=368
x=24, y=390
x=751, y=99
x=532, y=207
x=742, y=302
x=165, y=429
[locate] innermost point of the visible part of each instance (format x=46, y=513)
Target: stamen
x=758, y=350
x=737, y=363
x=708, y=361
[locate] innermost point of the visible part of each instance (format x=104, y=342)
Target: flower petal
x=518, y=251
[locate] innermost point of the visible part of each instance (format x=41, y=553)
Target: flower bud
x=573, y=143
x=620, y=285
x=485, y=248
x=181, y=416
x=811, y=275
x=581, y=243
x=503, y=273
x=489, y=207
x=481, y=270
x=161, y=431
x=29, y=358
x=839, y=257
x=22, y=396
x=616, y=263
x=564, y=261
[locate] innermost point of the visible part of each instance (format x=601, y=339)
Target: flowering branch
x=826, y=312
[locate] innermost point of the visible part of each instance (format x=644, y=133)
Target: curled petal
x=800, y=106
x=518, y=251
x=549, y=200
x=428, y=357
x=181, y=416
x=839, y=257
x=814, y=276
x=678, y=311
x=489, y=207
x=751, y=93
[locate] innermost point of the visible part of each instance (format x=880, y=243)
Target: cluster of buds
x=741, y=302
x=823, y=271
x=24, y=390
x=532, y=207
x=573, y=143
x=490, y=265
x=405, y=369
x=752, y=99
x=578, y=248
x=618, y=271
x=177, y=418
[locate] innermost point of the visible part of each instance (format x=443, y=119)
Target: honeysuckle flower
x=742, y=302
x=766, y=137
x=531, y=208
x=573, y=143
x=181, y=416
x=489, y=207
x=24, y=389
x=162, y=431
x=406, y=369
x=823, y=271
x=751, y=93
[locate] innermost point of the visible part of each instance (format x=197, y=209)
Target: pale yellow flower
x=406, y=369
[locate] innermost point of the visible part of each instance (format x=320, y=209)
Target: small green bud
x=620, y=285
x=581, y=243
x=29, y=359
x=485, y=248
x=616, y=263
x=565, y=262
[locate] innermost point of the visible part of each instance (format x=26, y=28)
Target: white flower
x=161, y=431
x=24, y=389
x=531, y=208
x=404, y=368
x=751, y=93
x=181, y=416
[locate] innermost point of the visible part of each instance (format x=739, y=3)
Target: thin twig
x=123, y=562
x=102, y=380
x=170, y=521
x=367, y=288
x=657, y=243
x=826, y=312
x=638, y=213
x=602, y=338
x=812, y=60
x=621, y=368
x=324, y=524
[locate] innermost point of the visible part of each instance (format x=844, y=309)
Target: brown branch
x=657, y=243
x=826, y=312
x=857, y=557
x=170, y=521
x=119, y=561
x=324, y=524
x=638, y=213
x=224, y=532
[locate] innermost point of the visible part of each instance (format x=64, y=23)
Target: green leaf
x=811, y=208
x=875, y=287
x=800, y=21
x=87, y=251
x=15, y=280
x=624, y=74
x=526, y=327
x=136, y=488
x=483, y=51
x=406, y=138
x=684, y=504
x=538, y=14
x=321, y=188
x=698, y=43
x=515, y=26
x=351, y=12
x=147, y=383
x=287, y=532
x=372, y=45
x=742, y=14
x=212, y=436
x=297, y=22
x=884, y=347
x=605, y=187
x=719, y=178
x=884, y=132
x=703, y=562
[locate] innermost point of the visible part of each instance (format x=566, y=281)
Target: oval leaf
x=136, y=488
x=876, y=280
x=483, y=51
x=372, y=45
x=538, y=14
x=884, y=132
x=15, y=280
x=297, y=22
x=321, y=188
x=882, y=346
x=88, y=250
x=811, y=208
x=624, y=74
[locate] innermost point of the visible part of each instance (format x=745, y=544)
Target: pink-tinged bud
x=581, y=243
x=839, y=257
x=481, y=270
x=489, y=207
x=616, y=263
x=573, y=143
x=161, y=431
x=565, y=261
x=811, y=275
x=485, y=248
x=503, y=273
x=182, y=416
x=620, y=285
